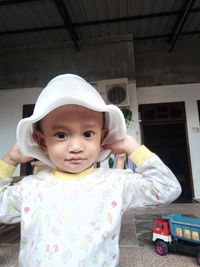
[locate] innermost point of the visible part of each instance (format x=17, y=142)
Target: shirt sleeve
x=10, y=195
x=153, y=183
x=6, y=170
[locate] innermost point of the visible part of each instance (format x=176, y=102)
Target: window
x=163, y=112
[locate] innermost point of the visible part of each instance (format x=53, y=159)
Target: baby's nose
x=75, y=145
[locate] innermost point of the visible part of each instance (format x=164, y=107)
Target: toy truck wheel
x=161, y=248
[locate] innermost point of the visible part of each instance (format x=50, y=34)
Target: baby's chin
x=74, y=170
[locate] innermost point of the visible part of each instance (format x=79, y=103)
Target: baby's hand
x=126, y=145
x=15, y=157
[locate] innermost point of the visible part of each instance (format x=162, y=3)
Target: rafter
x=68, y=23
x=14, y=2
x=180, y=22
x=30, y=30
x=162, y=36
x=70, y=27
x=132, y=18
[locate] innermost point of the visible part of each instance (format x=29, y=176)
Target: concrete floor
x=132, y=252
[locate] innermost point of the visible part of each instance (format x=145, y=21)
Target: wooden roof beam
x=180, y=22
x=68, y=23
x=14, y=2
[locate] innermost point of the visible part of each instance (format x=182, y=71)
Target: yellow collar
x=72, y=176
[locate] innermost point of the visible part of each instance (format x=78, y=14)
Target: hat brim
x=114, y=122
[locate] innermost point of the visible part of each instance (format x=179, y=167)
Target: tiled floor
x=136, y=248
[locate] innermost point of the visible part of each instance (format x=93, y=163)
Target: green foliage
x=111, y=162
x=128, y=115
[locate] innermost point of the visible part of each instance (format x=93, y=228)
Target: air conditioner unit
x=114, y=91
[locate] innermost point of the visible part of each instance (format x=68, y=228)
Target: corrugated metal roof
x=24, y=23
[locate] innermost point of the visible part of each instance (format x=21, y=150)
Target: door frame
x=163, y=120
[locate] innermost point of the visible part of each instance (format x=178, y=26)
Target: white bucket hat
x=62, y=90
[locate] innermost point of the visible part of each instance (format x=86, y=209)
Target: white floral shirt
x=74, y=220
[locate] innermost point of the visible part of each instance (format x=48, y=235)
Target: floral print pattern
x=77, y=222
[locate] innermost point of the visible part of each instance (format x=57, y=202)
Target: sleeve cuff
x=140, y=155
x=6, y=170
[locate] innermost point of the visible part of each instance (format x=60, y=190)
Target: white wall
x=11, y=103
x=133, y=128
x=189, y=93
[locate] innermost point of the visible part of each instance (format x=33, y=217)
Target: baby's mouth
x=75, y=160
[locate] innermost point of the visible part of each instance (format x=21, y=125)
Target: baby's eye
x=61, y=135
x=88, y=134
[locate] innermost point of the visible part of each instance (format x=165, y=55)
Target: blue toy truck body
x=184, y=228
x=177, y=233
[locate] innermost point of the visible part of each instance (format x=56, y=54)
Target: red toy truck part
x=161, y=230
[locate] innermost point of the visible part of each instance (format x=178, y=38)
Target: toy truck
x=178, y=233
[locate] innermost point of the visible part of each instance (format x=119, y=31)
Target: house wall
x=11, y=113
x=104, y=58
x=156, y=66
x=11, y=103
x=29, y=69
x=189, y=93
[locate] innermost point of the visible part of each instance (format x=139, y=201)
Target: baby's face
x=72, y=137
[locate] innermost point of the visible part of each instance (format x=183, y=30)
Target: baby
x=71, y=213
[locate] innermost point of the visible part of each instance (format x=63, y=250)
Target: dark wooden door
x=163, y=129
x=26, y=168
